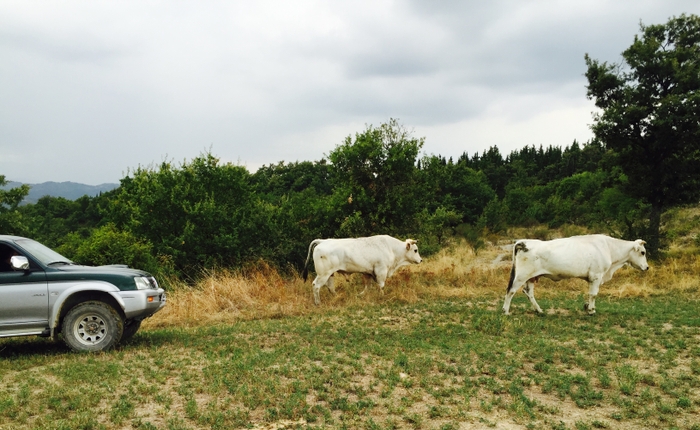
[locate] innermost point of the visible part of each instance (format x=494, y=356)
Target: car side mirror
x=19, y=262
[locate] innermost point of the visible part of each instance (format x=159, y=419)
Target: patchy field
x=249, y=350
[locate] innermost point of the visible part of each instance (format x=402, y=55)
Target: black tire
x=130, y=329
x=92, y=326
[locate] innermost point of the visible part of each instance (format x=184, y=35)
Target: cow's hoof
x=540, y=313
x=591, y=313
x=585, y=306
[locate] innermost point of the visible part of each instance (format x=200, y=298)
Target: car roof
x=11, y=238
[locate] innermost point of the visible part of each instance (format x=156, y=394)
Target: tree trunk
x=654, y=239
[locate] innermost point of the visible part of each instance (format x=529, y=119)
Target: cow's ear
x=408, y=244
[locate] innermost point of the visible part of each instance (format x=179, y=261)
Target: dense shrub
x=107, y=245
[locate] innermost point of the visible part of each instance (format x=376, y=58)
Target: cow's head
x=638, y=255
x=412, y=254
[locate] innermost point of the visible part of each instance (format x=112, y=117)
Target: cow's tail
x=519, y=246
x=312, y=245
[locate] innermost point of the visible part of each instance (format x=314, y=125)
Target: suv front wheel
x=130, y=329
x=92, y=326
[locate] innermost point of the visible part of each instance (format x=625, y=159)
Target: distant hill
x=68, y=190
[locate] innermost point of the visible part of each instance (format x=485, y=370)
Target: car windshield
x=44, y=254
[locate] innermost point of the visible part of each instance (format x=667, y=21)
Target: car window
x=6, y=252
x=42, y=253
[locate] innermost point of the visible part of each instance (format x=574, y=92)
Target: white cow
x=377, y=256
x=594, y=258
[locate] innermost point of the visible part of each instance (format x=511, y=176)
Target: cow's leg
x=365, y=281
x=319, y=282
x=593, y=288
x=330, y=284
x=380, y=275
x=529, y=290
x=510, y=292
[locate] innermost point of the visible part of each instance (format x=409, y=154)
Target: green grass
x=437, y=365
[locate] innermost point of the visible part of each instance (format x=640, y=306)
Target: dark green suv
x=93, y=308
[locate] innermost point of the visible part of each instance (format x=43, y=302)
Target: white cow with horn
x=377, y=256
x=594, y=258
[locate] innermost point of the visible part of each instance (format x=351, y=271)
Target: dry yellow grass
x=456, y=272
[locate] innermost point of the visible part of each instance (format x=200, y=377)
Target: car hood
x=120, y=276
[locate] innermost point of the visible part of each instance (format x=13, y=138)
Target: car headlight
x=145, y=283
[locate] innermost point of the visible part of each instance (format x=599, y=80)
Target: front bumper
x=140, y=304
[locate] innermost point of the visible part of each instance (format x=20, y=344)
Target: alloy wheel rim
x=90, y=330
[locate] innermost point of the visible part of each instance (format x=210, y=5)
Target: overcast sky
x=89, y=90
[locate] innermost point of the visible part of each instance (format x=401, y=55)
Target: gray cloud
x=89, y=90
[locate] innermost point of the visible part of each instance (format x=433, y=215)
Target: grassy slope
x=250, y=350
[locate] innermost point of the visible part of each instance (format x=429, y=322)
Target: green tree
x=622, y=214
x=202, y=214
x=48, y=219
x=375, y=179
x=437, y=225
x=492, y=164
x=454, y=187
x=10, y=217
x=650, y=105
x=281, y=179
x=298, y=198
x=107, y=245
x=51, y=219
x=575, y=197
x=494, y=217
x=298, y=218
x=469, y=191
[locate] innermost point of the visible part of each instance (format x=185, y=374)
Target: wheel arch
x=80, y=297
